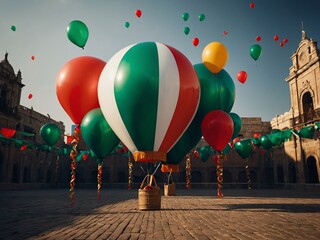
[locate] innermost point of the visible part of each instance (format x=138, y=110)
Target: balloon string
x=57, y=168
x=73, y=155
x=129, y=173
x=188, y=172
x=99, y=179
x=220, y=174
x=248, y=173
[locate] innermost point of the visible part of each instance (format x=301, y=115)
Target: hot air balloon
x=149, y=93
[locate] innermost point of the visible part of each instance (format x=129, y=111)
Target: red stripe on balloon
x=187, y=103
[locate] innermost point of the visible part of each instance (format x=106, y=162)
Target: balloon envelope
x=97, y=134
x=134, y=90
x=78, y=33
x=185, y=16
x=255, y=51
x=50, y=133
x=215, y=56
x=242, y=76
x=76, y=86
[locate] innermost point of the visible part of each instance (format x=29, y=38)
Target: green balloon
x=185, y=16
x=205, y=152
x=244, y=148
x=97, y=134
x=266, y=142
x=217, y=93
x=306, y=132
x=256, y=141
x=186, y=30
x=127, y=24
x=237, y=123
x=276, y=138
x=78, y=33
x=286, y=134
x=202, y=17
x=50, y=133
x=13, y=28
x=255, y=51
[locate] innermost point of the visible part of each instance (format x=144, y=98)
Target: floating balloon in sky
x=252, y=5
x=255, y=51
x=138, y=13
x=185, y=16
x=50, y=133
x=258, y=38
x=276, y=38
x=78, y=33
x=186, y=30
x=281, y=44
x=215, y=56
x=225, y=33
x=242, y=76
x=285, y=40
x=195, y=41
x=127, y=24
x=32, y=57
x=202, y=17
x=13, y=28
x=30, y=95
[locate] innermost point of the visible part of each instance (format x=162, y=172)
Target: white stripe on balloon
x=108, y=102
x=169, y=86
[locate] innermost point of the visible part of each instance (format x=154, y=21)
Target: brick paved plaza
x=192, y=214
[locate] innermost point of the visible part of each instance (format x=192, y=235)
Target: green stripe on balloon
x=133, y=79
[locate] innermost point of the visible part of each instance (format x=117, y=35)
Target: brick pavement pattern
x=191, y=214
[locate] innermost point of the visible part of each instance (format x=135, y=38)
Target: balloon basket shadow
x=149, y=195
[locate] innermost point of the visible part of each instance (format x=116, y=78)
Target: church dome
x=6, y=65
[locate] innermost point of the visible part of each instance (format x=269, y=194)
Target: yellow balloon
x=215, y=56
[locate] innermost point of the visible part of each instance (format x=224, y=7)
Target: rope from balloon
x=248, y=173
x=73, y=154
x=99, y=178
x=129, y=173
x=219, y=171
x=188, y=172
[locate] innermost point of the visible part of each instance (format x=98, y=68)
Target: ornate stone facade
x=297, y=161
x=31, y=165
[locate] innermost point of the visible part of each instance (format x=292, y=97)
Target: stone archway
x=312, y=170
x=307, y=103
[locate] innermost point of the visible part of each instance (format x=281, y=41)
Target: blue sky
x=41, y=32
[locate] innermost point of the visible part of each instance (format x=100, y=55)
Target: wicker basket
x=169, y=189
x=149, y=195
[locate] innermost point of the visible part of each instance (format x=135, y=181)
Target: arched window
x=292, y=173
x=280, y=174
x=312, y=173
x=307, y=103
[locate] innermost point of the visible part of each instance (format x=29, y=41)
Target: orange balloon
x=76, y=86
x=215, y=56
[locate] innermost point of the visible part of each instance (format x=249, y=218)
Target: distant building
x=298, y=160
x=31, y=165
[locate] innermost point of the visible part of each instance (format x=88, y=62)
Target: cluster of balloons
x=186, y=30
x=138, y=14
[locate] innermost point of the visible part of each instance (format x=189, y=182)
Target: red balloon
x=24, y=147
x=85, y=157
x=252, y=5
x=285, y=40
x=281, y=44
x=242, y=76
x=196, y=154
x=217, y=129
x=32, y=57
x=195, y=41
x=30, y=95
x=77, y=84
x=258, y=38
x=8, y=132
x=138, y=13
x=276, y=38
x=257, y=135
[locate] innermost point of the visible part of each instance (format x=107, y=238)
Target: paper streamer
x=188, y=172
x=130, y=172
x=248, y=173
x=219, y=171
x=99, y=179
x=73, y=154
